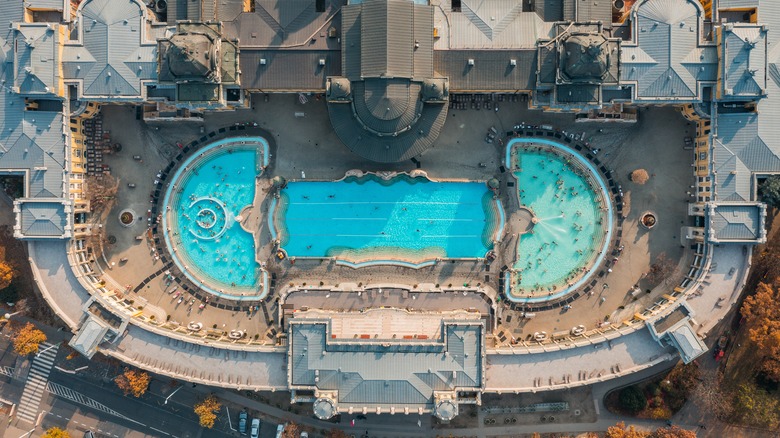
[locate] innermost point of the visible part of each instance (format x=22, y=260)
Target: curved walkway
x=211, y=365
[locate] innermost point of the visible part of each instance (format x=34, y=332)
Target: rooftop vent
x=471, y=61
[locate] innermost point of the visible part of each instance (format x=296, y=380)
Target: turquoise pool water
x=574, y=220
x=200, y=217
x=409, y=219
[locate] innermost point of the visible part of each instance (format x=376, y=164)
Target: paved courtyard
x=307, y=145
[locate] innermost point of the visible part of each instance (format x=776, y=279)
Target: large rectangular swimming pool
x=406, y=219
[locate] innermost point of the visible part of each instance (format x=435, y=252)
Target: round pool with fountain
x=201, y=217
x=571, y=220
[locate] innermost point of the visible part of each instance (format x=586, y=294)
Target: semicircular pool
x=200, y=211
x=573, y=220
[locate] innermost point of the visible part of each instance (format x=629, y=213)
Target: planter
x=127, y=218
x=648, y=220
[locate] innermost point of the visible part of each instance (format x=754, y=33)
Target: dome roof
x=338, y=89
x=324, y=408
x=446, y=410
x=585, y=58
x=192, y=56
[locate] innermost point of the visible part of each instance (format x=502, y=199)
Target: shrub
x=632, y=399
x=660, y=413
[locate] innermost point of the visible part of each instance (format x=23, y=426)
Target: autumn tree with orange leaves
x=620, y=430
x=7, y=274
x=133, y=382
x=27, y=339
x=207, y=411
x=672, y=432
x=56, y=432
x=762, y=315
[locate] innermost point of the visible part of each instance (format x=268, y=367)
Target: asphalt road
x=150, y=415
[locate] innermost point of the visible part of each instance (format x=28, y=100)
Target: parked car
x=242, y=420
x=254, y=431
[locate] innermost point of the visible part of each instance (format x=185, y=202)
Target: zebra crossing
x=69, y=394
x=35, y=386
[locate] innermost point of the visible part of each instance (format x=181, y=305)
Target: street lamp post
x=46, y=349
x=171, y=395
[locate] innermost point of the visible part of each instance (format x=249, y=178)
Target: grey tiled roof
x=388, y=149
x=580, y=93
x=687, y=343
x=89, y=336
x=735, y=222
x=738, y=151
x=743, y=61
x=549, y=10
x=282, y=24
x=36, y=56
x=11, y=11
x=43, y=219
x=386, y=105
x=593, y=11
x=46, y=4
x=489, y=24
x=748, y=143
x=32, y=143
x=290, y=70
x=380, y=375
x=387, y=38
x=666, y=63
x=112, y=31
x=177, y=10
x=491, y=71
x=36, y=144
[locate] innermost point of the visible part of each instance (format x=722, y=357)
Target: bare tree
x=661, y=270
x=710, y=395
x=101, y=192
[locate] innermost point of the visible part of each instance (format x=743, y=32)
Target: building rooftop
x=89, y=336
x=385, y=116
x=38, y=219
x=113, y=57
x=743, y=61
x=739, y=222
x=665, y=61
x=385, y=374
x=281, y=24
x=486, y=25
x=740, y=149
x=36, y=59
x=687, y=343
x=675, y=329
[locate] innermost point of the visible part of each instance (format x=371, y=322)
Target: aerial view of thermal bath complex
x=390, y=206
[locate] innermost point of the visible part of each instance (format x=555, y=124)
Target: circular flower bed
x=127, y=218
x=648, y=220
